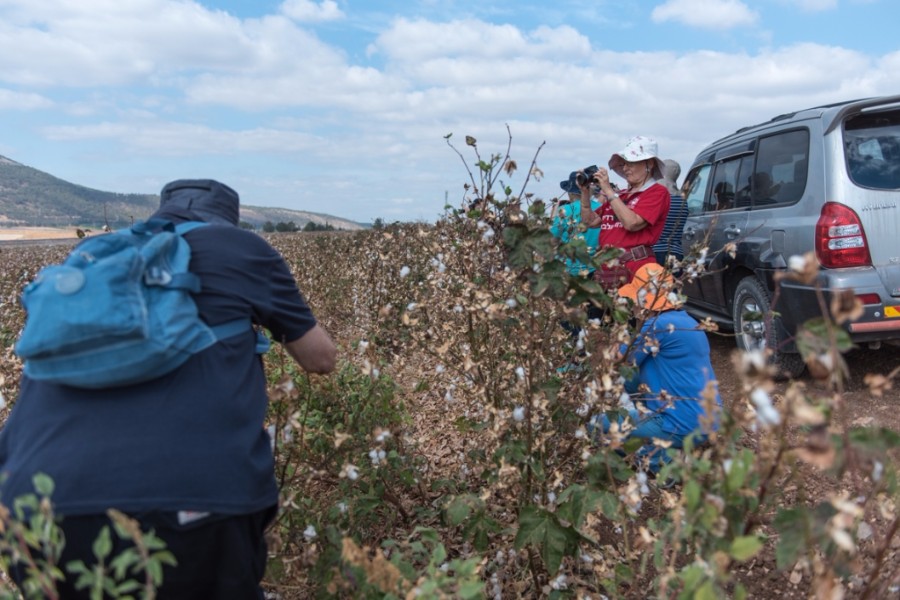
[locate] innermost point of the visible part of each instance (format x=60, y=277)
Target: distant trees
x=291, y=226
x=281, y=226
x=316, y=227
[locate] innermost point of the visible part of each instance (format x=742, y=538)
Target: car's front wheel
x=757, y=329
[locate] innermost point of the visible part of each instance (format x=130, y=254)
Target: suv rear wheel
x=749, y=311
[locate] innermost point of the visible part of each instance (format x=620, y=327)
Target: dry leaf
x=878, y=384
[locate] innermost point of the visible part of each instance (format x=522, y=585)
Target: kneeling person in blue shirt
x=674, y=369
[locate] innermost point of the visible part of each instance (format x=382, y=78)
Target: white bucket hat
x=638, y=148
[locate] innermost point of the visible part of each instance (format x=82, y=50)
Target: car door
x=727, y=215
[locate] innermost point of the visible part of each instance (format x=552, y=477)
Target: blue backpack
x=118, y=310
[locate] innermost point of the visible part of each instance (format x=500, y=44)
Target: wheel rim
x=752, y=330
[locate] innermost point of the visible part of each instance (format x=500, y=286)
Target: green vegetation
x=31, y=538
x=31, y=197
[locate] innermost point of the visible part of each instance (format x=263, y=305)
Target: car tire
x=753, y=332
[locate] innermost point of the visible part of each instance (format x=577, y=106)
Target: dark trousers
x=593, y=312
x=219, y=558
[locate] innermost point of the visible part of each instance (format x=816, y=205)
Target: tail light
x=840, y=238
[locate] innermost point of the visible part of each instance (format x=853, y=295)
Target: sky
x=342, y=107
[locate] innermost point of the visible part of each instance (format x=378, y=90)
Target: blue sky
x=341, y=106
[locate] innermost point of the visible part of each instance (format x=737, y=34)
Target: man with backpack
x=184, y=453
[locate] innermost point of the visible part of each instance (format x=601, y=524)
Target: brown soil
x=36, y=233
x=857, y=407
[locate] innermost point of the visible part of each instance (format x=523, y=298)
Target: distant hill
x=29, y=197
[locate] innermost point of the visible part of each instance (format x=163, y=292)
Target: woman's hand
x=602, y=178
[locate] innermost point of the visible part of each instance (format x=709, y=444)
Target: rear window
x=872, y=148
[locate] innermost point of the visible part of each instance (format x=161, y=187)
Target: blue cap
x=570, y=185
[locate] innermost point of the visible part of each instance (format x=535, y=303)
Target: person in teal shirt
x=566, y=224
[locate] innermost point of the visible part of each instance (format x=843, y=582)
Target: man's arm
x=314, y=351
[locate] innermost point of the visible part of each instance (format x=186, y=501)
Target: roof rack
x=849, y=104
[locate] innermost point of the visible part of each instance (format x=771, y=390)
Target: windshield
x=872, y=146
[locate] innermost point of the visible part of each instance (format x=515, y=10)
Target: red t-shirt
x=652, y=205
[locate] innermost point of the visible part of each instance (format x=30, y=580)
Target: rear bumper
x=798, y=303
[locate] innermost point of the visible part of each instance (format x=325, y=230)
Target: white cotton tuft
x=766, y=414
x=310, y=533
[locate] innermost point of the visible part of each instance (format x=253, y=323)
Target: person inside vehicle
x=724, y=195
x=631, y=220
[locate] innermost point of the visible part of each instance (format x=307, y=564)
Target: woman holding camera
x=631, y=220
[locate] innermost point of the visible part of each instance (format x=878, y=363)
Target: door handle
x=732, y=231
x=688, y=233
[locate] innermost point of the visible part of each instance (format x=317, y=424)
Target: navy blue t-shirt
x=191, y=440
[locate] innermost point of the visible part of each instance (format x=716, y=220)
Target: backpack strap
x=191, y=282
x=161, y=277
x=229, y=328
x=232, y=328
x=151, y=226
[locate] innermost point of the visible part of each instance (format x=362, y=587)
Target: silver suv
x=825, y=179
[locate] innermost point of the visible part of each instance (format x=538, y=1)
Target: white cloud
x=185, y=139
x=10, y=100
x=58, y=43
x=813, y=5
x=161, y=85
x=307, y=11
x=706, y=14
x=411, y=41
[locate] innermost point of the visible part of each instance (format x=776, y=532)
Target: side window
x=695, y=189
x=724, y=185
x=782, y=166
x=745, y=177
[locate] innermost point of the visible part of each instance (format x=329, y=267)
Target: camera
x=586, y=176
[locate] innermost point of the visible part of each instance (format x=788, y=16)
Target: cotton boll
x=766, y=414
x=310, y=533
x=797, y=263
